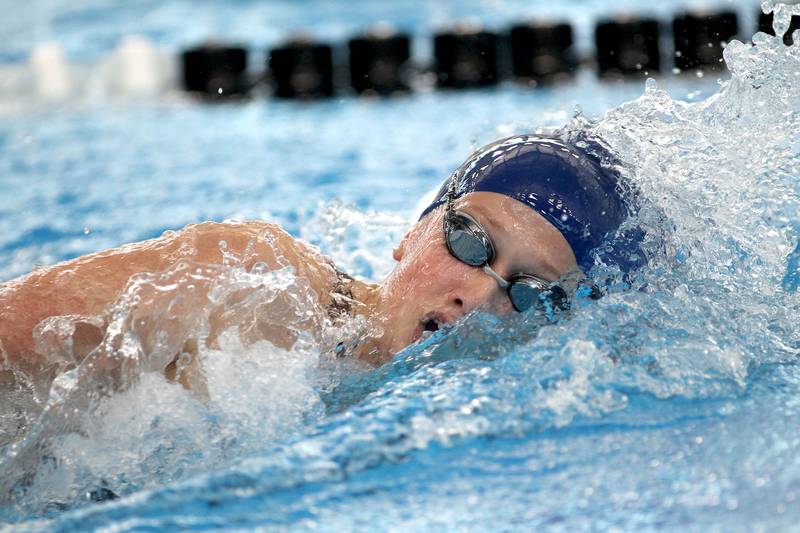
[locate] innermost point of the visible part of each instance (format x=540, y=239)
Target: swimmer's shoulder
x=259, y=241
x=86, y=285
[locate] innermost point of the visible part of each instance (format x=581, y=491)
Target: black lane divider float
x=380, y=62
x=301, y=69
x=627, y=47
x=536, y=53
x=765, y=25
x=698, y=39
x=216, y=70
x=465, y=58
x=542, y=53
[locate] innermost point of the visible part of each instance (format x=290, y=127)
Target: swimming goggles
x=469, y=242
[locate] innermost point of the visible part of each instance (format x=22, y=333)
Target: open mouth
x=427, y=327
x=430, y=325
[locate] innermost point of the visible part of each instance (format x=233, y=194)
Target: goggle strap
x=500, y=281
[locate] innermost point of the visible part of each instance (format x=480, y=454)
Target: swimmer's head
x=545, y=205
x=565, y=184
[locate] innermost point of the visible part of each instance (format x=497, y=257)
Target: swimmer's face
x=429, y=287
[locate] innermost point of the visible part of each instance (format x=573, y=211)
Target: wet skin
x=430, y=284
x=427, y=288
x=84, y=288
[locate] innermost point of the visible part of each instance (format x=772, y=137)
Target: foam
x=717, y=302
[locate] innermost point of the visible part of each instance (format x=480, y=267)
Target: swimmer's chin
x=430, y=324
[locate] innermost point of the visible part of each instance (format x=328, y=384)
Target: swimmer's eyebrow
x=487, y=216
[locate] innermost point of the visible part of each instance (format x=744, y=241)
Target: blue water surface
x=637, y=413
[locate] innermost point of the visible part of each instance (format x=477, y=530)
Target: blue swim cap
x=564, y=183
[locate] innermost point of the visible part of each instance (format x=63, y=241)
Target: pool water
x=671, y=403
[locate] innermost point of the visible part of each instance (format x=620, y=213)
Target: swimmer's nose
x=480, y=290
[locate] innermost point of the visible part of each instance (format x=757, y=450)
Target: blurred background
x=670, y=407
x=119, y=120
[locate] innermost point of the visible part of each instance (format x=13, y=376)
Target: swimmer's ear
x=423, y=226
x=399, y=251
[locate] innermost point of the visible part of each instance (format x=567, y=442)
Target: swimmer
x=505, y=234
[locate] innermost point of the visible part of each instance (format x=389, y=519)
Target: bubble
x=717, y=301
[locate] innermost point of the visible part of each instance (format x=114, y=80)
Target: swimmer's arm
x=86, y=286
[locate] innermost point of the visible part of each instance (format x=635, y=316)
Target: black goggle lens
x=467, y=248
x=524, y=295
